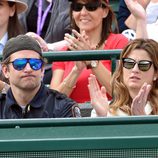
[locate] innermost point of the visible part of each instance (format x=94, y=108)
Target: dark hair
x=14, y=26
x=109, y=24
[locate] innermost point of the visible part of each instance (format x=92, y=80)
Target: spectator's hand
x=78, y=41
x=144, y=3
x=80, y=65
x=136, y=9
x=40, y=40
x=139, y=102
x=98, y=97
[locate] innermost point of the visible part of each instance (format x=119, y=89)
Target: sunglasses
x=91, y=6
x=143, y=65
x=20, y=64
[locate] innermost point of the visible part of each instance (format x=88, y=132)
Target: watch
x=93, y=64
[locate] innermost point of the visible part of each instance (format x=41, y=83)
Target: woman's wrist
x=70, y=81
x=76, y=70
x=68, y=85
x=93, y=64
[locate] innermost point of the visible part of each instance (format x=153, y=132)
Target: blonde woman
x=135, y=82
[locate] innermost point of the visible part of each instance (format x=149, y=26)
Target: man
x=28, y=97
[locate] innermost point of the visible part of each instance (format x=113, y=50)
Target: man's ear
x=5, y=71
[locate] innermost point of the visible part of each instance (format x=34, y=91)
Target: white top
x=148, y=110
x=3, y=42
x=152, y=30
x=152, y=12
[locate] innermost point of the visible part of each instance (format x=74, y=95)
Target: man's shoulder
x=59, y=105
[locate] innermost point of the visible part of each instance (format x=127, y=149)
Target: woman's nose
x=135, y=68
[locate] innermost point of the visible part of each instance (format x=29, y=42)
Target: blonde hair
x=121, y=96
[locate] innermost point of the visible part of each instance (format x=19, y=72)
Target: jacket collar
x=36, y=101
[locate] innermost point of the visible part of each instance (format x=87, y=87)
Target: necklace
x=98, y=45
x=41, y=18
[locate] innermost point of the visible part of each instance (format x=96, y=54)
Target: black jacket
x=46, y=104
x=123, y=14
x=59, y=23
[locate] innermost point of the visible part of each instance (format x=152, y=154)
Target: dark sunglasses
x=143, y=65
x=91, y=6
x=19, y=64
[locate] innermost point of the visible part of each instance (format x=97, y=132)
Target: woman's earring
x=155, y=78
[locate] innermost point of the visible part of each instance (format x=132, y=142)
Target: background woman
x=92, y=27
x=9, y=23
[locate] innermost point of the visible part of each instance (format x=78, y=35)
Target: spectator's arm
x=131, y=21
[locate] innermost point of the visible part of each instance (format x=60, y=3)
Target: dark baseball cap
x=18, y=43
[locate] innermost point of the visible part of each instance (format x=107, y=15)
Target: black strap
x=2, y=104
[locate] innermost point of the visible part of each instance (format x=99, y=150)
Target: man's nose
x=28, y=67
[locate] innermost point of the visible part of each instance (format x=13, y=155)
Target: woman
x=9, y=23
x=135, y=82
x=92, y=28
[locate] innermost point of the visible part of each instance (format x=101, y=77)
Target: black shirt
x=33, y=17
x=46, y=104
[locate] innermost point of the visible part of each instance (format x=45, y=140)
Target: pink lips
x=134, y=78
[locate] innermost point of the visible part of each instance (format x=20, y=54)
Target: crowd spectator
x=150, y=29
x=28, y=97
x=92, y=24
x=48, y=18
x=135, y=83
x=125, y=19
x=9, y=23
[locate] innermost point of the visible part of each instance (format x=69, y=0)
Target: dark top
x=46, y=104
x=59, y=21
x=33, y=16
x=123, y=14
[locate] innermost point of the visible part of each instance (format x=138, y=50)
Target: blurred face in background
x=5, y=12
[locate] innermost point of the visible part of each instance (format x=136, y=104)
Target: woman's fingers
x=139, y=102
x=40, y=40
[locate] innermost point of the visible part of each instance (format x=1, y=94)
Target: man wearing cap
x=28, y=97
